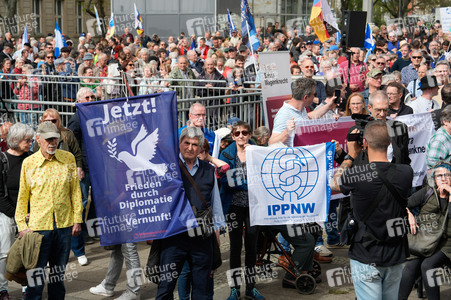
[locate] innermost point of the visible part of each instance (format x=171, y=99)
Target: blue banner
x=132, y=149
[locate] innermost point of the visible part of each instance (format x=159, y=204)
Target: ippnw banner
x=289, y=185
x=132, y=149
x=276, y=82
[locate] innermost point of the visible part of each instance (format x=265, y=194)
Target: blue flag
x=248, y=31
x=338, y=38
x=369, y=42
x=232, y=26
x=137, y=186
x=60, y=42
x=193, y=44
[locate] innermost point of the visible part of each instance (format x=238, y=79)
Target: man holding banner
x=303, y=95
x=194, y=246
x=378, y=248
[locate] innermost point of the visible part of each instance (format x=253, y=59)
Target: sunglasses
x=90, y=97
x=310, y=67
x=50, y=57
x=53, y=121
x=131, y=65
x=244, y=132
x=29, y=141
x=380, y=63
x=417, y=57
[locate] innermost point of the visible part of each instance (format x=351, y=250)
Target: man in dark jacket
x=210, y=73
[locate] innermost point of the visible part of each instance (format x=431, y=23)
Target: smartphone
x=338, y=96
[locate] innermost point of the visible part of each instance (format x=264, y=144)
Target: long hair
x=55, y=114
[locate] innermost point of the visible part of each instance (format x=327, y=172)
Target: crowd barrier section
x=27, y=96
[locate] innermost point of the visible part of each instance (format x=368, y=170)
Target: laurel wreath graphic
x=112, y=148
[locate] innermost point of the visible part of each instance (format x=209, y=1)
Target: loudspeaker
x=353, y=28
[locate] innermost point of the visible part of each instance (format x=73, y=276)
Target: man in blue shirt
x=197, y=118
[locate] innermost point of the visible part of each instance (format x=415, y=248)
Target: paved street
x=80, y=279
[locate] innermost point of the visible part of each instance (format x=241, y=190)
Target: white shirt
x=421, y=105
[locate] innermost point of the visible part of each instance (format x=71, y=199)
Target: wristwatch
x=349, y=157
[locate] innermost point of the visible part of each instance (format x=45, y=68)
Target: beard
x=51, y=152
x=434, y=51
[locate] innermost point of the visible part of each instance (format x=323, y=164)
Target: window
x=59, y=13
x=37, y=15
x=79, y=17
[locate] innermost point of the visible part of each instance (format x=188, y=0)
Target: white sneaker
x=100, y=290
x=323, y=251
x=128, y=295
x=82, y=260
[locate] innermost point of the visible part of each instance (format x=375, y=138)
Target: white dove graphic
x=143, y=150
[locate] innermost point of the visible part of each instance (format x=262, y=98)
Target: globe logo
x=290, y=174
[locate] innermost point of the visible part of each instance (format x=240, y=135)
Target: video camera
x=360, y=122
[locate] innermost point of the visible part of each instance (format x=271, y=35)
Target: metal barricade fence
x=27, y=96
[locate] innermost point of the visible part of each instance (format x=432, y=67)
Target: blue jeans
x=55, y=248
x=284, y=243
x=78, y=242
x=376, y=283
x=331, y=225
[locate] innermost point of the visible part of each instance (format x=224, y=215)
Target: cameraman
x=376, y=252
x=397, y=151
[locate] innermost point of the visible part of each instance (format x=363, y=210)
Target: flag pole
x=252, y=48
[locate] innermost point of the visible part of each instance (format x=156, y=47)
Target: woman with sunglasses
x=130, y=75
x=235, y=199
x=433, y=203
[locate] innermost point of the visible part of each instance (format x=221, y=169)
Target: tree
x=9, y=21
x=398, y=9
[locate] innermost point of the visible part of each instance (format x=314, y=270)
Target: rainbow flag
x=322, y=21
x=111, y=27
x=138, y=22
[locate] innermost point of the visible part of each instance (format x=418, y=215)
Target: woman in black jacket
x=433, y=201
x=20, y=139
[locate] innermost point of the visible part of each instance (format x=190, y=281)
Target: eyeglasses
x=29, y=141
x=310, y=67
x=244, y=133
x=52, y=120
x=417, y=57
x=373, y=59
x=443, y=176
x=90, y=97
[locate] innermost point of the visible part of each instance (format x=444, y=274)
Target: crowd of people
x=408, y=73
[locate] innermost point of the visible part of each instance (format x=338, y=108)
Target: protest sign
x=132, y=151
x=276, y=82
x=289, y=185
